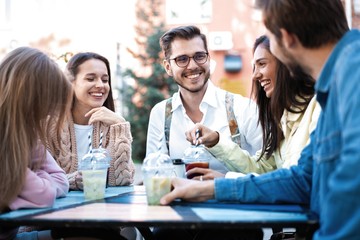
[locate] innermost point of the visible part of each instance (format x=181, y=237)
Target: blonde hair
x=32, y=89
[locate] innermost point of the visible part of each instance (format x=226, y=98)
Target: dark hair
x=72, y=69
x=291, y=92
x=183, y=32
x=314, y=22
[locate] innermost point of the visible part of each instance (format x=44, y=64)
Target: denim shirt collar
x=322, y=85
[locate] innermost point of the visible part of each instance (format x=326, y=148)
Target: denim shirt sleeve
x=281, y=186
x=340, y=203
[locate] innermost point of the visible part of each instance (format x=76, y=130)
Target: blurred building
x=231, y=27
x=62, y=26
x=352, y=8
x=107, y=27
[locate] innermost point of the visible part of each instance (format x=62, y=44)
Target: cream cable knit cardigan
x=116, y=139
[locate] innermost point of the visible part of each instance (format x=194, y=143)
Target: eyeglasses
x=184, y=60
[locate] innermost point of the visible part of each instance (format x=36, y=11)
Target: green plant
x=140, y=97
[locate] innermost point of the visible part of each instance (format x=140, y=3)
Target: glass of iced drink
x=195, y=156
x=157, y=172
x=94, y=167
x=179, y=167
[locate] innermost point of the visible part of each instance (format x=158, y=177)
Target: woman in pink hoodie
x=32, y=88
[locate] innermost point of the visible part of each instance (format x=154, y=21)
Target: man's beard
x=206, y=79
x=294, y=68
x=293, y=65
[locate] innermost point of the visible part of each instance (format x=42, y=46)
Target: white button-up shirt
x=214, y=117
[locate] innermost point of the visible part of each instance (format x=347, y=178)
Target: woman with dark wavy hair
x=288, y=113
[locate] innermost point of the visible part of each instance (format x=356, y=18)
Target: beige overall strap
x=233, y=125
x=167, y=123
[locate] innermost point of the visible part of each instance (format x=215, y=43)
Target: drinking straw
x=197, y=134
x=90, y=144
x=101, y=138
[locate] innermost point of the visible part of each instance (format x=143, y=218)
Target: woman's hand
x=79, y=181
x=207, y=136
x=205, y=174
x=189, y=190
x=102, y=114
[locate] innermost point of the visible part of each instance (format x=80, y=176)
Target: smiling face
x=194, y=77
x=91, y=85
x=265, y=66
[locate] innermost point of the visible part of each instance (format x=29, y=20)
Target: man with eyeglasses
x=198, y=100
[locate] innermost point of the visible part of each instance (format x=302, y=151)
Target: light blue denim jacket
x=328, y=173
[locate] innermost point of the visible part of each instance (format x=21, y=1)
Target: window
x=188, y=11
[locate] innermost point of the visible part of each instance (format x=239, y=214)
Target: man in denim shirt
x=313, y=35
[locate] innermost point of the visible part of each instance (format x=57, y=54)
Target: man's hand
x=79, y=180
x=189, y=190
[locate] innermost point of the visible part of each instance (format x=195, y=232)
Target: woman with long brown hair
x=32, y=88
